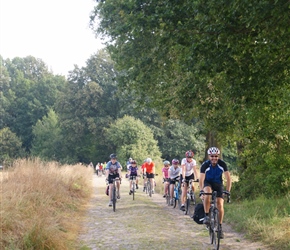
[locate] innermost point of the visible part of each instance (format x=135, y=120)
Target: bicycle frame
x=177, y=194
x=114, y=193
x=190, y=198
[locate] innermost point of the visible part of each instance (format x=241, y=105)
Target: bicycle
x=149, y=188
x=214, y=226
x=133, y=187
x=177, y=194
x=115, y=193
x=167, y=195
x=190, y=199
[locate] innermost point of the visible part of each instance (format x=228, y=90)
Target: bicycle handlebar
x=224, y=192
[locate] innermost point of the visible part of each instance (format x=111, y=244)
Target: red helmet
x=189, y=154
x=175, y=162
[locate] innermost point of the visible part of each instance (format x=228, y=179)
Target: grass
x=41, y=204
x=266, y=220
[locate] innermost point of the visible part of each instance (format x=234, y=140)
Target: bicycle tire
x=168, y=196
x=114, y=198
x=149, y=189
x=133, y=189
x=175, y=197
x=187, y=205
x=216, y=230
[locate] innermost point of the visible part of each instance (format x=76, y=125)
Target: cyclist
x=149, y=167
x=113, y=170
x=174, y=175
x=165, y=177
x=143, y=171
x=211, y=180
x=133, y=171
x=188, y=166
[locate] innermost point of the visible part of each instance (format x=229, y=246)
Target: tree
x=47, y=138
x=10, y=146
x=129, y=137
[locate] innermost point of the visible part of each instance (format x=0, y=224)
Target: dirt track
x=147, y=223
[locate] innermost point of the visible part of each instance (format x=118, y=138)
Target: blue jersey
x=133, y=170
x=113, y=168
x=214, y=174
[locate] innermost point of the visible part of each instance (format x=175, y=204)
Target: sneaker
x=206, y=220
x=182, y=207
x=118, y=196
x=221, y=233
x=137, y=186
x=130, y=192
x=143, y=189
x=110, y=203
x=171, y=202
x=164, y=195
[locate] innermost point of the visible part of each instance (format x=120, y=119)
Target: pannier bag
x=198, y=215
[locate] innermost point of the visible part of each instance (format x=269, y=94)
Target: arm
x=183, y=170
x=201, y=180
x=229, y=180
x=195, y=172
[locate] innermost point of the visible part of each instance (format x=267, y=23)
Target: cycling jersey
x=188, y=166
x=133, y=170
x=113, y=168
x=174, y=172
x=149, y=167
x=165, y=171
x=214, y=174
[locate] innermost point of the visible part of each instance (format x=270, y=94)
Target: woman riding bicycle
x=211, y=172
x=133, y=173
x=113, y=171
x=174, y=175
x=189, y=171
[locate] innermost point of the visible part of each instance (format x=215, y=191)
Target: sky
x=56, y=31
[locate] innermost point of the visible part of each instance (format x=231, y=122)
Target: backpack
x=198, y=213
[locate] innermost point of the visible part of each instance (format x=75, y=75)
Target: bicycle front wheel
x=149, y=188
x=187, y=205
x=216, y=230
x=133, y=189
x=114, y=198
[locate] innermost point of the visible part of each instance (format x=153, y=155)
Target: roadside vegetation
x=41, y=204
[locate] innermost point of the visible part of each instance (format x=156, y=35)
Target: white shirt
x=188, y=166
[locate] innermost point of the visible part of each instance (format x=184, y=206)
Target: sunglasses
x=214, y=156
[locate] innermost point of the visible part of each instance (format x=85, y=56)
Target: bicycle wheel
x=114, y=197
x=187, y=205
x=133, y=189
x=168, y=196
x=149, y=188
x=216, y=230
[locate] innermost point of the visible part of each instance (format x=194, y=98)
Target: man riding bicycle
x=211, y=172
x=189, y=172
x=149, y=168
x=113, y=171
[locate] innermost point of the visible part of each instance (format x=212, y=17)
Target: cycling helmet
x=113, y=156
x=166, y=163
x=175, y=162
x=213, y=151
x=149, y=160
x=133, y=162
x=189, y=154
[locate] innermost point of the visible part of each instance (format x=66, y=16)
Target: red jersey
x=149, y=167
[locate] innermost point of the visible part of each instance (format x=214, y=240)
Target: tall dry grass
x=41, y=205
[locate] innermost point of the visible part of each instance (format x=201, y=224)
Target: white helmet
x=213, y=151
x=149, y=160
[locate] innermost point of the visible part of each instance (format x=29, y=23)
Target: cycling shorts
x=113, y=176
x=131, y=177
x=173, y=181
x=149, y=175
x=215, y=187
x=187, y=178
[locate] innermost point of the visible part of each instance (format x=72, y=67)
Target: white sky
x=56, y=31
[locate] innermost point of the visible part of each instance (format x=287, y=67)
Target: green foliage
x=129, y=137
x=10, y=146
x=47, y=138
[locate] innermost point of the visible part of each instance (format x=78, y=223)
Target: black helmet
x=113, y=156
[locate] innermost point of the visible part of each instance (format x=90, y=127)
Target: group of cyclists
x=210, y=178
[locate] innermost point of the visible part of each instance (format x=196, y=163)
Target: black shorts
x=215, y=187
x=131, y=177
x=113, y=176
x=173, y=181
x=187, y=178
x=149, y=175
